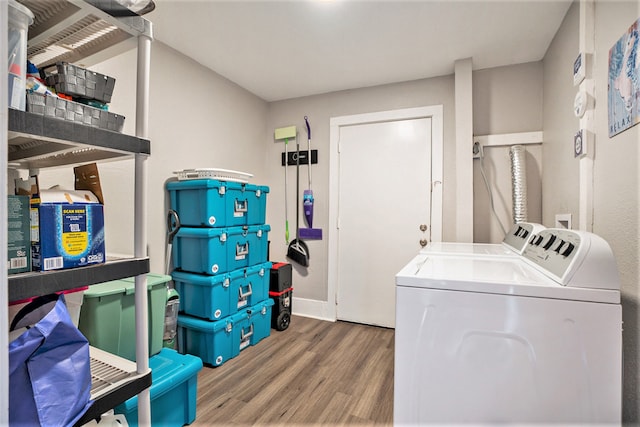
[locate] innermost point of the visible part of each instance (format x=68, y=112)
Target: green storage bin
x=107, y=317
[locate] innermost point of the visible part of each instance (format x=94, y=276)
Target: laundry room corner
x=616, y=175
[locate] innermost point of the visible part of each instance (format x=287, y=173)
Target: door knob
x=423, y=242
x=423, y=227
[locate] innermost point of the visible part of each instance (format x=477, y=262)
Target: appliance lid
x=472, y=249
x=505, y=276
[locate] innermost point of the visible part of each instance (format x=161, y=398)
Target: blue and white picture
x=624, y=82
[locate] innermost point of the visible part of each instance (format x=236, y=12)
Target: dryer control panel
x=573, y=258
x=520, y=234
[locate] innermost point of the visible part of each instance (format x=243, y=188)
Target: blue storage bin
x=252, y=325
x=201, y=250
x=246, y=204
x=252, y=284
x=213, y=203
x=213, y=342
x=210, y=297
x=220, y=250
x=248, y=245
x=173, y=390
x=199, y=202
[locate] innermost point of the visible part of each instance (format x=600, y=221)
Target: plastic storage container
x=282, y=308
x=281, y=277
x=247, y=203
x=213, y=342
x=253, y=324
x=213, y=203
x=19, y=20
x=216, y=342
x=173, y=390
x=209, y=297
x=255, y=240
x=252, y=284
x=107, y=317
x=220, y=250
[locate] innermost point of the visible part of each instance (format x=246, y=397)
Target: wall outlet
x=563, y=221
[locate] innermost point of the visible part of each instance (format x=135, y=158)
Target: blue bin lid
x=199, y=279
x=195, y=184
x=201, y=233
x=169, y=369
x=248, y=271
x=251, y=311
x=247, y=229
x=202, y=325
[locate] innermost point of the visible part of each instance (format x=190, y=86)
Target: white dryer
x=513, y=243
x=535, y=339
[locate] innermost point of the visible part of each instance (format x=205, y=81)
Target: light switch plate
x=580, y=143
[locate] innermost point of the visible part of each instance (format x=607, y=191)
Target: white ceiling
x=287, y=49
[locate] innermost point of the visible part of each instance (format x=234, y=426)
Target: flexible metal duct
x=519, y=182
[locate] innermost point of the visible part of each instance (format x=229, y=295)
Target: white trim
x=587, y=121
x=506, y=139
x=436, y=114
x=312, y=308
x=463, y=70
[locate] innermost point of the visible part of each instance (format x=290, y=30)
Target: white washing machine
x=513, y=243
x=534, y=339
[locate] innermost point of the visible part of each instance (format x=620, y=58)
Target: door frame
x=435, y=113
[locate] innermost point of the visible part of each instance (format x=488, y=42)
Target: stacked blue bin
x=220, y=267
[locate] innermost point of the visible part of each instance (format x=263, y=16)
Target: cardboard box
x=67, y=227
x=67, y=230
x=18, y=238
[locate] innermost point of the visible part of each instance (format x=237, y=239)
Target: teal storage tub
x=201, y=250
x=173, y=390
x=246, y=204
x=253, y=324
x=213, y=342
x=209, y=297
x=107, y=316
x=220, y=250
x=213, y=203
x=248, y=245
x=199, y=202
x=252, y=284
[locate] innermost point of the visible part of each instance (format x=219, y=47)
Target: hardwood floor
x=313, y=373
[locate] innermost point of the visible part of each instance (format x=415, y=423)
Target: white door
x=384, y=183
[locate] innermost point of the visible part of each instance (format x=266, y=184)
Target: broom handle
x=306, y=120
x=297, y=188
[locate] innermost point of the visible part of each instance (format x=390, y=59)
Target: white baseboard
x=312, y=308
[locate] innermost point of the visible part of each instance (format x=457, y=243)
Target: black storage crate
x=281, y=313
x=280, y=278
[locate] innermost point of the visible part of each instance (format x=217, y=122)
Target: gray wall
x=197, y=119
x=320, y=109
x=616, y=172
x=506, y=100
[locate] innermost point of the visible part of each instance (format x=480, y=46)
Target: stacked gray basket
x=92, y=90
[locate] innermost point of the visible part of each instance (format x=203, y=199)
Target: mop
x=307, y=199
x=297, y=250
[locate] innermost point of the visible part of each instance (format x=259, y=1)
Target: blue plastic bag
x=49, y=366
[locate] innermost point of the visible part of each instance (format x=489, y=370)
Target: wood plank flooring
x=314, y=373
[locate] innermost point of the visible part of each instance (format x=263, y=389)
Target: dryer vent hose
x=519, y=182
